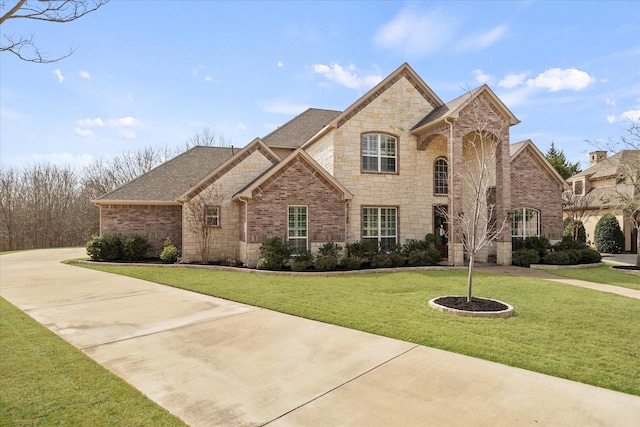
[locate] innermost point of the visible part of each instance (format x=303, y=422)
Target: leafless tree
x=579, y=208
x=625, y=198
x=208, y=138
x=477, y=226
x=11, y=209
x=59, y=11
x=202, y=215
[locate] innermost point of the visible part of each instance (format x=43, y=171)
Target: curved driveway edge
x=215, y=362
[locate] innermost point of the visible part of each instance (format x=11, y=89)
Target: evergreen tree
x=559, y=161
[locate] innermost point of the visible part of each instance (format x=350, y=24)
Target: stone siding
x=223, y=239
x=532, y=186
x=155, y=223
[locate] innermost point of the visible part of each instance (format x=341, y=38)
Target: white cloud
x=58, y=74
x=481, y=77
x=610, y=101
x=208, y=79
x=483, y=40
x=633, y=115
x=195, y=70
x=83, y=132
x=556, y=79
x=512, y=80
x=124, y=122
x=91, y=122
x=64, y=159
x=85, y=75
x=416, y=33
x=611, y=119
x=280, y=64
x=242, y=126
x=349, y=76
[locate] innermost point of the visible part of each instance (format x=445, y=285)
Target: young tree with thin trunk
x=202, y=217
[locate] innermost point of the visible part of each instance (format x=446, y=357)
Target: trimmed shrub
x=412, y=245
x=525, y=257
x=303, y=261
x=569, y=226
x=589, y=256
x=608, y=236
x=558, y=258
x=169, y=252
x=326, y=262
x=429, y=256
x=568, y=243
x=364, y=249
x=381, y=261
x=350, y=263
x=274, y=254
x=330, y=249
x=94, y=247
x=539, y=244
x=134, y=248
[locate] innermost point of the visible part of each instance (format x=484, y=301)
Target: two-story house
x=390, y=167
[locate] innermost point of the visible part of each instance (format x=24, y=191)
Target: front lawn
x=46, y=381
x=560, y=330
x=602, y=274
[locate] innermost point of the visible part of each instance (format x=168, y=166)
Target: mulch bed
x=476, y=304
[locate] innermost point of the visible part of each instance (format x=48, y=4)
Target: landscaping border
x=558, y=267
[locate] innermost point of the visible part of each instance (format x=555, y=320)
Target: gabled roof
x=163, y=184
x=610, y=167
x=298, y=130
x=453, y=108
x=519, y=147
x=403, y=71
x=247, y=191
x=255, y=145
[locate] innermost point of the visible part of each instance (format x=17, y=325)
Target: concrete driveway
x=214, y=362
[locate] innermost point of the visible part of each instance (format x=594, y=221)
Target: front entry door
x=441, y=229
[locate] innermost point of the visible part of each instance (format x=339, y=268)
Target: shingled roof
x=300, y=129
x=169, y=180
x=611, y=166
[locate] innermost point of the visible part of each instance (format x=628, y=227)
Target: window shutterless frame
x=297, y=229
x=379, y=153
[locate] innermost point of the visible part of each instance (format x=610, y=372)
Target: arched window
x=525, y=222
x=441, y=176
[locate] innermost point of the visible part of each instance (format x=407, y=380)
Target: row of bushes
x=275, y=254
x=538, y=250
x=110, y=247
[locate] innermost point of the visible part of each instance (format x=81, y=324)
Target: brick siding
x=155, y=223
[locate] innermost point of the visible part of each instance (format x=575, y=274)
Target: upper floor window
x=297, y=229
x=525, y=222
x=379, y=153
x=578, y=188
x=441, y=176
x=212, y=216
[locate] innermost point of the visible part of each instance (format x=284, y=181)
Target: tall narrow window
x=379, y=153
x=441, y=176
x=297, y=230
x=380, y=224
x=212, y=216
x=525, y=222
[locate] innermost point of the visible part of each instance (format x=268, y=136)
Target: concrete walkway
x=214, y=362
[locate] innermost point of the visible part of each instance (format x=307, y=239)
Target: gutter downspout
x=246, y=236
x=452, y=246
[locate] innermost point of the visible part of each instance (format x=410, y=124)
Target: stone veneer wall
x=532, y=186
x=298, y=183
x=224, y=239
x=155, y=223
x=394, y=111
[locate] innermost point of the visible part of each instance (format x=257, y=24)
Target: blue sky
x=155, y=73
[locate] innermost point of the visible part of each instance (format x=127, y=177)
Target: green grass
x=560, y=330
x=602, y=274
x=46, y=381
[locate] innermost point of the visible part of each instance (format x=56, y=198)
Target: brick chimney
x=596, y=156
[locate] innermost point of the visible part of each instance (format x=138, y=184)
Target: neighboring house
x=384, y=169
x=593, y=190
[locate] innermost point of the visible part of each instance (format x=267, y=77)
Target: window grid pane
x=379, y=153
x=297, y=228
x=441, y=172
x=380, y=224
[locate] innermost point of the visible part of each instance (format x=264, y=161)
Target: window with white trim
x=525, y=222
x=379, y=153
x=441, y=176
x=380, y=224
x=297, y=229
x=212, y=216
